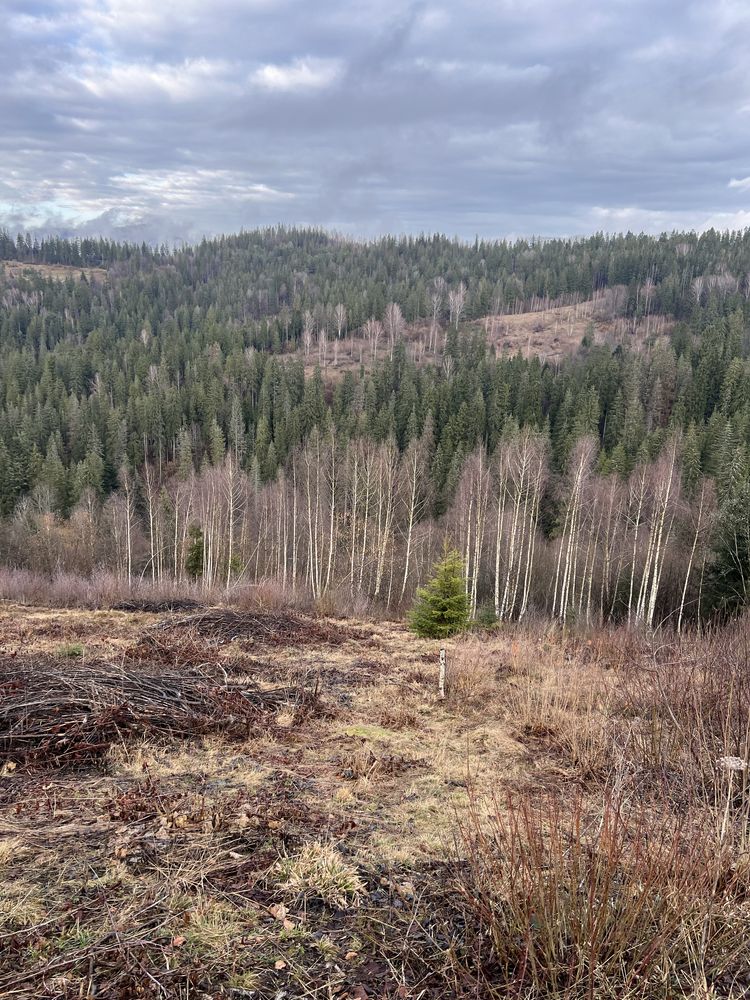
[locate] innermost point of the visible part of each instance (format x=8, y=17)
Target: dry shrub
x=688, y=705
x=105, y=589
x=471, y=673
x=563, y=709
x=618, y=904
x=102, y=589
x=269, y=594
x=607, y=648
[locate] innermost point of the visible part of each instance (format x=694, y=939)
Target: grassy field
x=213, y=803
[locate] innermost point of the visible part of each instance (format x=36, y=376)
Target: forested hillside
x=291, y=407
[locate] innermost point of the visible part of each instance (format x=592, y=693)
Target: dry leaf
x=278, y=910
x=350, y=956
x=178, y=941
x=279, y=964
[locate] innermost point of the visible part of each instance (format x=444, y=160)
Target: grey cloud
x=172, y=121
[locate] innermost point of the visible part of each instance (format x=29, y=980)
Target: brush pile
x=155, y=607
x=262, y=628
x=54, y=715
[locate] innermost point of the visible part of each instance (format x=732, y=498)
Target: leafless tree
x=373, y=332
x=456, y=303
x=339, y=315
x=394, y=324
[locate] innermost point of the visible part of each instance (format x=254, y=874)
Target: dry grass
x=390, y=842
x=58, y=272
x=318, y=872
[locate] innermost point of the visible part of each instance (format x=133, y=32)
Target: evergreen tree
x=442, y=606
x=194, y=558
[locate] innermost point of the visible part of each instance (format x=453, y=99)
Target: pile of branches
x=54, y=715
x=157, y=607
x=262, y=628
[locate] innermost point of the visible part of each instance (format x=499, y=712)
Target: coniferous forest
x=291, y=410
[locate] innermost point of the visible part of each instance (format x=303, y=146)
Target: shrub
x=442, y=607
x=621, y=904
x=471, y=672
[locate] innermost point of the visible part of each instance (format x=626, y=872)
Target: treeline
x=351, y=523
x=186, y=369
x=71, y=419
x=83, y=252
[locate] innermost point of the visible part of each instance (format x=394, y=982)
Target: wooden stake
x=441, y=682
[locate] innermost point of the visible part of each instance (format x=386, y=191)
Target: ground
x=380, y=770
x=17, y=268
x=549, y=334
x=219, y=803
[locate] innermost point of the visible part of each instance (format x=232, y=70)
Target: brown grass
x=59, y=272
x=564, y=806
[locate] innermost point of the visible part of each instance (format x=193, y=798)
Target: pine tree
x=728, y=582
x=184, y=455
x=442, y=607
x=194, y=559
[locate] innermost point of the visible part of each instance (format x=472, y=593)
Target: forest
x=292, y=410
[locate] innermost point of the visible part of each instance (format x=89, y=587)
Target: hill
x=242, y=409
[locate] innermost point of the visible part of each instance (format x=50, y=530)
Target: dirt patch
x=59, y=272
x=164, y=781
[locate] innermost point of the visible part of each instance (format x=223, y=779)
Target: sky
x=168, y=120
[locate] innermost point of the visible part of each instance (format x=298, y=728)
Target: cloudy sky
x=169, y=119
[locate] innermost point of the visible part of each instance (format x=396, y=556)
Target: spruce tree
x=194, y=558
x=442, y=606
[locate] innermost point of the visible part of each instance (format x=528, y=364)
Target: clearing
x=220, y=803
x=550, y=334
x=59, y=272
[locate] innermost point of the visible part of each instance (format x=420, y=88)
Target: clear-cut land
x=263, y=803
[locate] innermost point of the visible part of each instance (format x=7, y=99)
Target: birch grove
x=353, y=520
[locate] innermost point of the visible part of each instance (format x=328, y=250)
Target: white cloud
x=190, y=188
x=131, y=18
x=727, y=220
x=740, y=183
x=618, y=218
x=183, y=81
x=302, y=74
x=488, y=71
